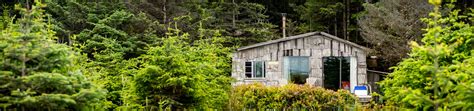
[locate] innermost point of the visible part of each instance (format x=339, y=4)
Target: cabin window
x=255, y=69
x=296, y=69
x=248, y=69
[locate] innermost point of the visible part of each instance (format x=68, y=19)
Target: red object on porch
x=346, y=85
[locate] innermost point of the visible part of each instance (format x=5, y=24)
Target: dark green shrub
x=291, y=96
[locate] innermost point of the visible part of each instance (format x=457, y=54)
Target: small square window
x=255, y=69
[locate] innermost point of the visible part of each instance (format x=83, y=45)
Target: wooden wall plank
x=335, y=48
x=308, y=42
x=296, y=52
x=288, y=44
x=300, y=43
x=321, y=43
x=341, y=49
x=327, y=43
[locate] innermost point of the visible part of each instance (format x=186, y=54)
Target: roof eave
x=345, y=41
x=277, y=40
x=301, y=36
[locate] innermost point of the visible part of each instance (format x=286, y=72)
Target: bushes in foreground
x=258, y=96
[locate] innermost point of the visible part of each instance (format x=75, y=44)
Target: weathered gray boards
x=314, y=46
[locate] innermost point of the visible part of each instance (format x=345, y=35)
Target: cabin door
x=337, y=73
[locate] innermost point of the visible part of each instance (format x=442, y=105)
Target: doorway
x=337, y=73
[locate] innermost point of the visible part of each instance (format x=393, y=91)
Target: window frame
x=287, y=67
x=253, y=70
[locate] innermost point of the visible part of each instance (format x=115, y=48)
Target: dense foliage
x=175, y=53
x=391, y=24
x=182, y=75
x=38, y=73
x=114, y=38
x=439, y=73
x=258, y=96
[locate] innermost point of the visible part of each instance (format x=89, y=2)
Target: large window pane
x=297, y=69
x=258, y=68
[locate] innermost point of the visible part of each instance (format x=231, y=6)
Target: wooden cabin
x=315, y=58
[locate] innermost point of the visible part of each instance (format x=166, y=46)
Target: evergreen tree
x=314, y=15
x=111, y=36
x=37, y=73
x=182, y=75
x=245, y=23
x=337, y=17
x=5, y=18
x=389, y=25
x=438, y=75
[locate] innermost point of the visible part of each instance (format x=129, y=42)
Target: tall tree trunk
x=164, y=15
x=344, y=20
x=335, y=25
x=164, y=12
x=127, y=3
x=233, y=13
x=27, y=4
x=348, y=18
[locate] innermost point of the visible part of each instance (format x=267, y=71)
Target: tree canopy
x=38, y=73
x=84, y=55
x=438, y=73
x=391, y=24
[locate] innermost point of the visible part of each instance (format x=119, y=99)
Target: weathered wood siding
x=315, y=46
